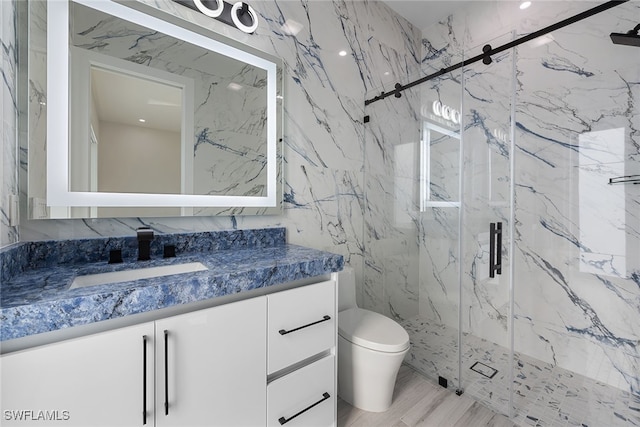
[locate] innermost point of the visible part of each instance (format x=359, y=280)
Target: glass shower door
x=435, y=334
x=486, y=288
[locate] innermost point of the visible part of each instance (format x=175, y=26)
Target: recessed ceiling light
x=234, y=86
x=342, y=53
x=525, y=4
x=161, y=103
x=386, y=73
x=141, y=120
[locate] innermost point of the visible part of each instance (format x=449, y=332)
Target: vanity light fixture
x=524, y=5
x=242, y=11
x=212, y=13
x=239, y=15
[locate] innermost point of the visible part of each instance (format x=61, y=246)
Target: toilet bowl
x=371, y=348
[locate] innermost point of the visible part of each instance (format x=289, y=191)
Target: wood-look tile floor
x=419, y=402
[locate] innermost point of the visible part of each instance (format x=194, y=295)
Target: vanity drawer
x=301, y=323
x=308, y=392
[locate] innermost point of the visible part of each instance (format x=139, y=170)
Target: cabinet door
x=211, y=367
x=97, y=380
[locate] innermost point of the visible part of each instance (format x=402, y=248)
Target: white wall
x=136, y=159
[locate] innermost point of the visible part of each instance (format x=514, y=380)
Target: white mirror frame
x=58, y=189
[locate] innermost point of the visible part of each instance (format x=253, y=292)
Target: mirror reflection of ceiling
x=135, y=101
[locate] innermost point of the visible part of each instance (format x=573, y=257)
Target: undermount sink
x=135, y=274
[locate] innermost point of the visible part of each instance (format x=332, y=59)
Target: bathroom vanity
x=261, y=351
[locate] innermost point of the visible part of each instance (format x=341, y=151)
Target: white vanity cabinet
x=211, y=367
x=213, y=373
x=263, y=361
x=98, y=380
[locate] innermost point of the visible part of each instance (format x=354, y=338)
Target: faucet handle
x=144, y=233
x=145, y=236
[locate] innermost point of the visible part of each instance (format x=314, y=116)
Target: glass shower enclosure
x=502, y=224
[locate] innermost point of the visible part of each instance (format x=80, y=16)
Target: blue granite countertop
x=39, y=300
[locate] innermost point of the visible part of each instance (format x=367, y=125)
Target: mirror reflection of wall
x=228, y=133
x=37, y=109
x=138, y=146
x=440, y=166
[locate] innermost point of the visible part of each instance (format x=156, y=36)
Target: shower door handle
x=495, y=248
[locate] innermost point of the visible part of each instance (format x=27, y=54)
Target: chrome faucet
x=145, y=236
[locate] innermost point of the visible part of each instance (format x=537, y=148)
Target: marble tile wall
x=391, y=196
x=576, y=237
x=580, y=310
x=323, y=121
x=8, y=125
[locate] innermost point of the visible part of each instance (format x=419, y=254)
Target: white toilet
x=371, y=348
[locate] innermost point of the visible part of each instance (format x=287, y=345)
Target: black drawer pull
x=325, y=396
x=144, y=380
x=324, y=319
x=166, y=372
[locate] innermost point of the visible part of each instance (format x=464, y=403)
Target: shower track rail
x=487, y=50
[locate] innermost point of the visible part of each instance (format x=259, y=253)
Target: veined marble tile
x=34, y=144
x=8, y=125
x=391, y=170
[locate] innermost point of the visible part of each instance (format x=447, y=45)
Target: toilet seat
x=372, y=330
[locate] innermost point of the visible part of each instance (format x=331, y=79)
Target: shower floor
x=544, y=395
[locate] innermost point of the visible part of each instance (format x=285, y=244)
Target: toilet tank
x=346, y=289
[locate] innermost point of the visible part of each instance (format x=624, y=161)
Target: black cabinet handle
x=495, y=249
x=324, y=319
x=284, y=420
x=144, y=380
x=499, y=248
x=166, y=372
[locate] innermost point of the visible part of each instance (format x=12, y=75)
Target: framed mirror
x=154, y=116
